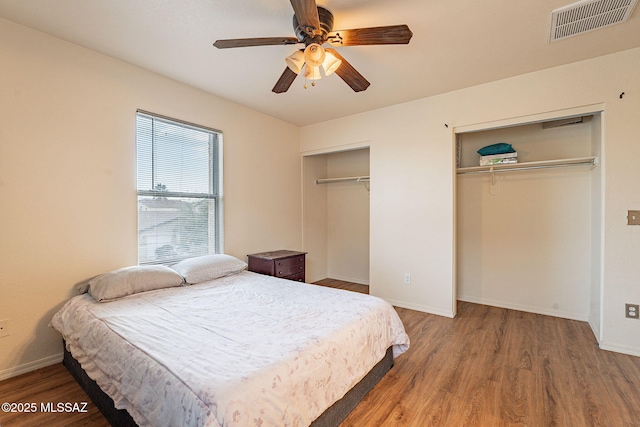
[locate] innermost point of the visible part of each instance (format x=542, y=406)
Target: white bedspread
x=244, y=350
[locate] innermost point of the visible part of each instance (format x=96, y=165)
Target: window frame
x=216, y=175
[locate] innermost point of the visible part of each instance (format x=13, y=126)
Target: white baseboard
x=30, y=366
x=624, y=349
x=422, y=308
x=526, y=308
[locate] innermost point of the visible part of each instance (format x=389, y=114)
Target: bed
x=207, y=343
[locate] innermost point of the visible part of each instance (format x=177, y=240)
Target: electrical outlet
x=4, y=328
x=632, y=311
x=407, y=278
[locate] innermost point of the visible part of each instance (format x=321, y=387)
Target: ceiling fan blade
x=392, y=34
x=306, y=12
x=285, y=81
x=349, y=74
x=259, y=41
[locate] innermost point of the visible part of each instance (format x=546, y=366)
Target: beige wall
x=413, y=196
x=67, y=177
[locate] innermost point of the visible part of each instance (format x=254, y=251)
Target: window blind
x=178, y=182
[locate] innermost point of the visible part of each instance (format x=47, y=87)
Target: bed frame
x=332, y=417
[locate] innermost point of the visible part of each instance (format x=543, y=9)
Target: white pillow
x=208, y=267
x=130, y=280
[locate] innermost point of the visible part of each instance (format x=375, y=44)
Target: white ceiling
x=455, y=44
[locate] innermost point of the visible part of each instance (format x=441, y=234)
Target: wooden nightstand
x=284, y=264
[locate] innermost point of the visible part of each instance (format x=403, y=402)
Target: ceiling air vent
x=588, y=15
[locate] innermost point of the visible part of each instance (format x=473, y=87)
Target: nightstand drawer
x=298, y=277
x=289, y=266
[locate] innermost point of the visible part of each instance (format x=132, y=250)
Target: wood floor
x=487, y=367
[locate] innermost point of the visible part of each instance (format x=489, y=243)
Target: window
x=179, y=190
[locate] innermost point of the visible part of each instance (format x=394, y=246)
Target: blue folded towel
x=499, y=148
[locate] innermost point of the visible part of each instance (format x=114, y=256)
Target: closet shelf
x=512, y=167
x=346, y=179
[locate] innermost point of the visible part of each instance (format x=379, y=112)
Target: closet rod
x=512, y=167
x=347, y=179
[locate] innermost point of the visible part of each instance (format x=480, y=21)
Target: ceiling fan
x=313, y=26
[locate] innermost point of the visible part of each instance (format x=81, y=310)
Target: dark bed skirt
x=332, y=417
x=116, y=417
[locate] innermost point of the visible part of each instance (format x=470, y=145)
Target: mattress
x=242, y=350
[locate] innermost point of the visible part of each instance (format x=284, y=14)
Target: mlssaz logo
x=63, y=407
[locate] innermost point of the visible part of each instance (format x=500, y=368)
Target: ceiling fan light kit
x=317, y=57
x=312, y=73
x=314, y=55
x=330, y=64
x=313, y=26
x=295, y=61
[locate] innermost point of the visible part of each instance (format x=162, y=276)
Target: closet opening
x=528, y=219
x=336, y=189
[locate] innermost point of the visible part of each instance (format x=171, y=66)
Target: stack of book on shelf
x=497, y=154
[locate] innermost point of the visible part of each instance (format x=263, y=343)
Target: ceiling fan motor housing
x=308, y=36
